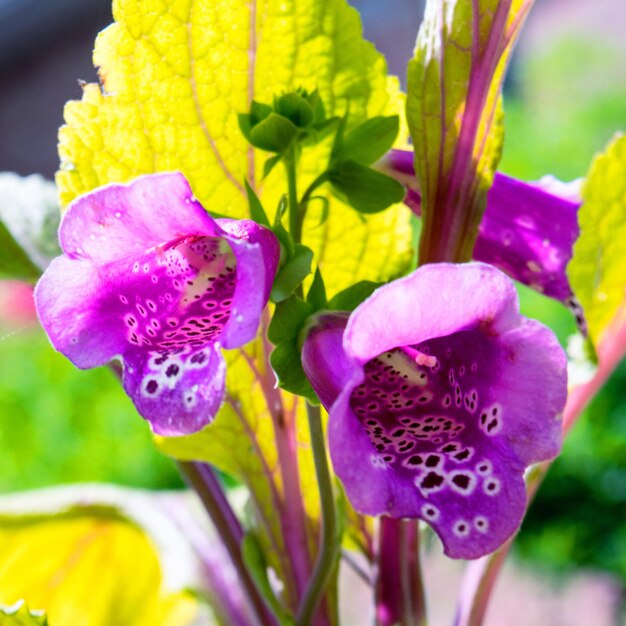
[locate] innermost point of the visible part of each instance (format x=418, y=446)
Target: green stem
x=295, y=223
x=322, y=178
x=329, y=544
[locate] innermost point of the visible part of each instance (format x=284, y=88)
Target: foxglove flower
x=149, y=277
x=528, y=230
x=440, y=394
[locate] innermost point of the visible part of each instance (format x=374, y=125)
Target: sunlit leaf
x=88, y=564
x=597, y=271
x=175, y=79
x=454, y=112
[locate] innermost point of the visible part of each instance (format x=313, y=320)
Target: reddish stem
x=399, y=589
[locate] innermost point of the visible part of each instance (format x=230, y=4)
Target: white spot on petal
x=461, y=528
x=492, y=486
x=430, y=512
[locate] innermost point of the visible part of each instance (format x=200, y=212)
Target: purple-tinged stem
x=292, y=513
x=203, y=481
x=481, y=575
x=399, y=587
x=225, y=594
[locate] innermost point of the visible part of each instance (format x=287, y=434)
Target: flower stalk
x=201, y=478
x=328, y=551
x=399, y=587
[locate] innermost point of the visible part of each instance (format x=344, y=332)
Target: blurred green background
x=564, y=100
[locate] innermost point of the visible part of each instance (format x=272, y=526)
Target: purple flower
x=528, y=230
x=440, y=394
x=149, y=277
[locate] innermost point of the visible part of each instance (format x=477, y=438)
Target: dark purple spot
x=172, y=370
x=415, y=459
x=432, y=460
x=431, y=481
x=461, y=456
x=152, y=386
x=461, y=480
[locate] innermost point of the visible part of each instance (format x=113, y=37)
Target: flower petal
x=323, y=359
x=161, y=291
x=178, y=393
x=257, y=252
x=65, y=298
x=438, y=299
x=528, y=229
x=121, y=221
x=529, y=234
x=444, y=394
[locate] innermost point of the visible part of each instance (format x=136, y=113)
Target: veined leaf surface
x=176, y=75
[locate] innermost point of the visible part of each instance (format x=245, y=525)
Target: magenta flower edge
x=149, y=277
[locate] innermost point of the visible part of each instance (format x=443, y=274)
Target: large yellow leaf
x=175, y=75
x=84, y=565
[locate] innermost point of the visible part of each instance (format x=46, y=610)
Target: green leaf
x=14, y=262
x=317, y=292
x=369, y=141
x=291, y=275
x=295, y=108
x=252, y=552
x=317, y=105
x=289, y=317
x=454, y=114
x=365, y=189
x=19, y=615
x=274, y=134
x=259, y=111
x=287, y=364
x=597, y=271
x=270, y=164
x=257, y=212
x=350, y=298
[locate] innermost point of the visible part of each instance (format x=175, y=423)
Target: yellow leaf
x=87, y=566
x=597, y=270
x=175, y=76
